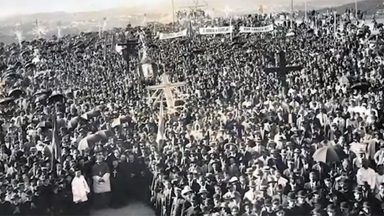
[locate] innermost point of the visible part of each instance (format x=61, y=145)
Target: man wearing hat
x=290, y=203
x=267, y=209
x=177, y=203
x=194, y=209
x=303, y=208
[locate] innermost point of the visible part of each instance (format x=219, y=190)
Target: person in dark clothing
x=117, y=194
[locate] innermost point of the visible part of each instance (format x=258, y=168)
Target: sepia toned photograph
x=191, y=108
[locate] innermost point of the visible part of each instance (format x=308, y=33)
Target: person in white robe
x=80, y=191
x=80, y=188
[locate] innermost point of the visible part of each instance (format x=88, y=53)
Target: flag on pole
x=55, y=145
x=161, y=125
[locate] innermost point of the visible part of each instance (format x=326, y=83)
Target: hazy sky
x=14, y=7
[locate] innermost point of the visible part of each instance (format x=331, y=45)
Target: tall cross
x=129, y=49
x=167, y=90
x=282, y=70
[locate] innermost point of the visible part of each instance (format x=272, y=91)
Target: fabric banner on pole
x=261, y=29
x=216, y=30
x=164, y=36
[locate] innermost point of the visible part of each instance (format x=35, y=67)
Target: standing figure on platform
x=101, y=182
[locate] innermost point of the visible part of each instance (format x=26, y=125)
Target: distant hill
x=369, y=6
x=73, y=23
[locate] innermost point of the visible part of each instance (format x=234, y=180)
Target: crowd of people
x=77, y=129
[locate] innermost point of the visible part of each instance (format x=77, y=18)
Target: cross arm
x=163, y=86
x=272, y=70
x=294, y=68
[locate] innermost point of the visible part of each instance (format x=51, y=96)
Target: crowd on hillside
x=77, y=129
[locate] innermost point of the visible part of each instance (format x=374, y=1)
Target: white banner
x=164, y=36
x=261, y=29
x=216, y=30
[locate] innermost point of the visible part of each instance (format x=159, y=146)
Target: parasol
x=91, y=114
x=120, y=120
x=45, y=124
x=43, y=92
x=88, y=142
x=5, y=101
x=30, y=65
x=326, y=154
x=11, y=75
x=56, y=97
x=74, y=122
x=16, y=93
x=364, y=86
x=104, y=134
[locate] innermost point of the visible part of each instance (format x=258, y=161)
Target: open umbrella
x=104, y=134
x=88, y=142
x=120, y=120
x=364, y=86
x=43, y=92
x=56, y=97
x=5, y=101
x=45, y=124
x=326, y=154
x=16, y=93
x=74, y=122
x=91, y=114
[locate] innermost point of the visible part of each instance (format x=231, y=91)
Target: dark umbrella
x=364, y=86
x=30, y=65
x=43, y=92
x=16, y=93
x=104, y=134
x=75, y=121
x=56, y=97
x=11, y=75
x=326, y=154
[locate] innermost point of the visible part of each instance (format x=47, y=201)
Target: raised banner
x=261, y=29
x=216, y=30
x=164, y=36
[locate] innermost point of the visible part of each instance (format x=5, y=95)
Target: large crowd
x=77, y=131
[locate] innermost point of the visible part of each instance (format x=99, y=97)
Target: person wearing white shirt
x=366, y=174
x=379, y=155
x=80, y=190
x=379, y=177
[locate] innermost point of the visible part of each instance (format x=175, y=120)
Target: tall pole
x=305, y=8
x=173, y=12
x=334, y=23
x=230, y=24
x=356, y=9
x=291, y=14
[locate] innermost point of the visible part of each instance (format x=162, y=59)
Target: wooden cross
x=282, y=70
x=169, y=92
x=129, y=49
